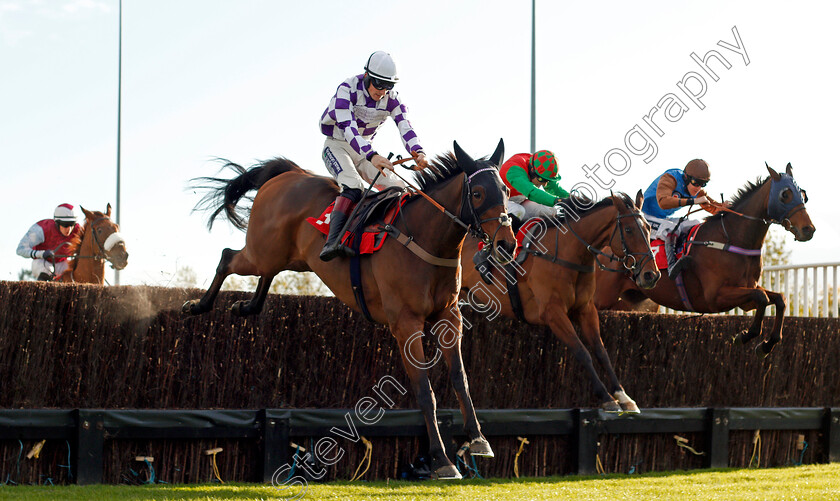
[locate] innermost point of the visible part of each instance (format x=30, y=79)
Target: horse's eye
x=628, y=230
x=476, y=195
x=786, y=193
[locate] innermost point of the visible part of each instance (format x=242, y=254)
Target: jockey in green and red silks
x=533, y=182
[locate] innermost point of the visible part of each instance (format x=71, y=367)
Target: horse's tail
x=225, y=194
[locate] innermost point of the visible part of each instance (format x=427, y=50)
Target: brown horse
x=557, y=284
x=401, y=289
x=726, y=259
x=99, y=241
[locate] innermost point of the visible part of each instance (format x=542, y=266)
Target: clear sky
x=248, y=80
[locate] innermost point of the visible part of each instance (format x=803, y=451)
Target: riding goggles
x=381, y=84
x=697, y=181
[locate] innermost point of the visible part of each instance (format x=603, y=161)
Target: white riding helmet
x=381, y=66
x=64, y=213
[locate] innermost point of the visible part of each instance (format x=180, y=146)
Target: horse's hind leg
x=255, y=304
x=203, y=305
x=590, y=327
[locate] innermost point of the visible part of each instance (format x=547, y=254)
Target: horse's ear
x=640, y=199
x=108, y=210
x=775, y=175
x=789, y=170
x=88, y=214
x=499, y=154
x=464, y=160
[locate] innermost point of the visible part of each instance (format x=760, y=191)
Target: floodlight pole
x=119, y=122
x=533, y=76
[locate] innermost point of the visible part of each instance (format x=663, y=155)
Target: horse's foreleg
x=747, y=299
x=448, y=329
x=776, y=333
x=410, y=341
x=255, y=304
x=559, y=323
x=590, y=327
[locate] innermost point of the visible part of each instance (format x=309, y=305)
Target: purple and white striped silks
x=354, y=116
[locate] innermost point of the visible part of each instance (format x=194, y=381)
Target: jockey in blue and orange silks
x=49, y=237
x=672, y=190
x=360, y=105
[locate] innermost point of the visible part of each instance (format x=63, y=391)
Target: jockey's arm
x=33, y=237
x=517, y=177
x=554, y=188
x=665, y=194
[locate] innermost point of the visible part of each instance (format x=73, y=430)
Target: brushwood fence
x=96, y=352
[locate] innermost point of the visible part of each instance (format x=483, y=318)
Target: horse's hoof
x=763, y=349
x=236, y=309
x=448, y=472
x=611, y=406
x=481, y=447
x=190, y=307
x=628, y=405
x=739, y=338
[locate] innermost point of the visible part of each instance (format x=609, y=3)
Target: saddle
x=365, y=229
x=682, y=247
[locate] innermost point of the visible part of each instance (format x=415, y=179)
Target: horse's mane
x=441, y=169
x=744, y=194
x=569, y=205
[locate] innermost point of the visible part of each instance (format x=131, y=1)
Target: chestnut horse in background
x=726, y=259
x=99, y=241
x=402, y=290
x=556, y=285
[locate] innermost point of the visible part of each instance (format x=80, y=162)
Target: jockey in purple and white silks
x=360, y=105
x=49, y=237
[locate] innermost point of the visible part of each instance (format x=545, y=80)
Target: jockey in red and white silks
x=49, y=237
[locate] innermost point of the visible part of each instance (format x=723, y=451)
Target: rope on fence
x=213, y=453
x=683, y=442
x=522, y=442
x=756, y=448
x=366, y=456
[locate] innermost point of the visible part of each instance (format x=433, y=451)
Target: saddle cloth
x=376, y=211
x=683, y=247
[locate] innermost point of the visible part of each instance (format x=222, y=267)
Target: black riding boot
x=44, y=277
x=675, y=266
x=334, y=247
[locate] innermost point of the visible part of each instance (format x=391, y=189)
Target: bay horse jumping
x=401, y=289
x=726, y=259
x=99, y=241
x=556, y=282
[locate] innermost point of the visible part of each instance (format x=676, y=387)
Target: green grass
x=810, y=482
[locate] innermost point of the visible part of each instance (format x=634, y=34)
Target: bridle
x=628, y=260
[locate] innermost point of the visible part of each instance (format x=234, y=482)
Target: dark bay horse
x=556, y=284
x=726, y=259
x=402, y=290
x=99, y=241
